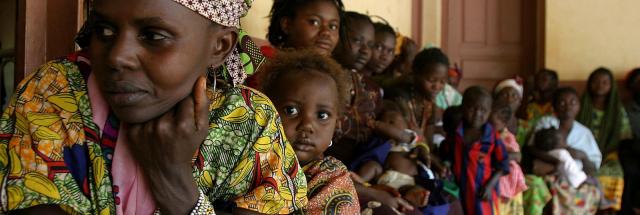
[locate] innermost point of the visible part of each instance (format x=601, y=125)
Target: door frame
x=43, y=32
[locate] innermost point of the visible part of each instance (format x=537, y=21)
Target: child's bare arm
x=516, y=156
x=486, y=191
x=542, y=155
x=587, y=166
x=370, y=170
x=392, y=132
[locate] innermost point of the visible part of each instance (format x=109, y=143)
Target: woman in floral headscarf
x=147, y=126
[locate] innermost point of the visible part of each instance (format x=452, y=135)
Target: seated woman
x=603, y=113
x=314, y=24
x=581, y=145
x=538, y=103
x=510, y=91
x=306, y=87
x=579, y=138
x=137, y=121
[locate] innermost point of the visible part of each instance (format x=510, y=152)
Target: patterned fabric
x=513, y=183
x=512, y=206
x=366, y=104
x=448, y=97
x=227, y=12
x=537, y=196
x=473, y=165
x=331, y=190
x=611, y=179
x=524, y=127
x=535, y=111
x=52, y=152
x=356, y=126
x=575, y=201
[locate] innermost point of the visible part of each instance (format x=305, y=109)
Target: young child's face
x=308, y=104
x=497, y=123
x=355, y=53
x=382, y=53
x=432, y=81
x=600, y=85
x=476, y=112
x=316, y=25
x=567, y=106
x=394, y=118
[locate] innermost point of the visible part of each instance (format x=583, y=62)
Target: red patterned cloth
x=331, y=190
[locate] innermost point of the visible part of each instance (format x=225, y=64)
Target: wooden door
x=491, y=39
x=45, y=31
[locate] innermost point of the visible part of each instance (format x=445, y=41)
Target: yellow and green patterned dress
x=610, y=175
x=52, y=152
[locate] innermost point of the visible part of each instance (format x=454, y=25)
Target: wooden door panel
x=485, y=37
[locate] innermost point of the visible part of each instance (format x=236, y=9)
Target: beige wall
x=582, y=35
x=396, y=12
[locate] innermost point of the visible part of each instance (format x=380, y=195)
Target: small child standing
x=306, y=89
x=476, y=154
x=513, y=184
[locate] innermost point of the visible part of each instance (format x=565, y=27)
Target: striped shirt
x=473, y=164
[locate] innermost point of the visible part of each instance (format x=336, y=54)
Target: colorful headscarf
x=455, y=72
x=244, y=60
x=515, y=83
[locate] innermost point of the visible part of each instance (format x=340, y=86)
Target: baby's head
x=549, y=139
x=392, y=115
x=306, y=88
x=501, y=114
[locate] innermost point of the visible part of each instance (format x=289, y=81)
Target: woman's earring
x=331, y=143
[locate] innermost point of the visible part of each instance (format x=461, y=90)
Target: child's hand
x=417, y=196
x=356, y=178
x=387, y=189
x=577, y=154
x=392, y=201
x=485, y=193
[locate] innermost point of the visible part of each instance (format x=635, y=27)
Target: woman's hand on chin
x=164, y=148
